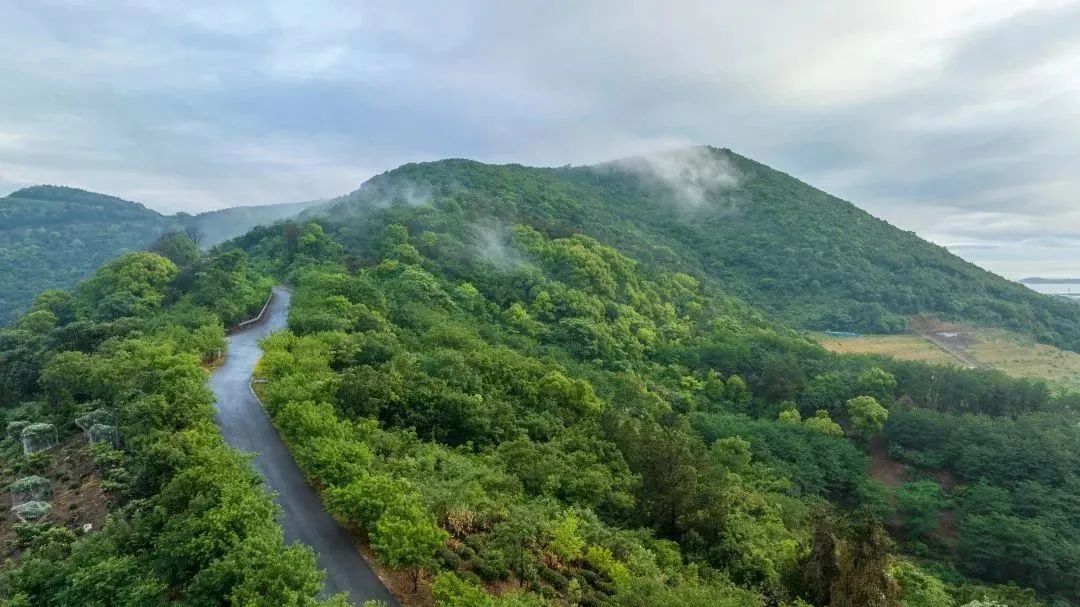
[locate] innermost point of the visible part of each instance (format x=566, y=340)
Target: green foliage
x=821, y=422
x=406, y=538
x=866, y=415
x=920, y=503
x=52, y=237
x=487, y=414
x=526, y=403
x=195, y=526
x=449, y=590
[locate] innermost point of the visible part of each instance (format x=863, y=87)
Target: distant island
x=1050, y=281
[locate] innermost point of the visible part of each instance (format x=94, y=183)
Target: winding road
x=247, y=427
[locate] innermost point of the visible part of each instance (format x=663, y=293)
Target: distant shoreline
x=1050, y=281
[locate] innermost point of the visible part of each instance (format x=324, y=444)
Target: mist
x=692, y=177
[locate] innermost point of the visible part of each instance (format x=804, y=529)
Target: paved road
x=247, y=427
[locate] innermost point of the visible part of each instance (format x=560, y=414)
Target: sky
x=959, y=120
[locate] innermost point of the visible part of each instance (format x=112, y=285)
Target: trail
x=956, y=351
x=246, y=427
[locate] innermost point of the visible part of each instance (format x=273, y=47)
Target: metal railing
x=246, y=323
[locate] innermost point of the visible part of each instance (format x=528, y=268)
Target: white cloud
x=916, y=111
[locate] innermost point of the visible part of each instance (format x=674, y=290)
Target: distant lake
x=1054, y=288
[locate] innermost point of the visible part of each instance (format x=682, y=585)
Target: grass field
x=906, y=347
x=1019, y=357
x=994, y=348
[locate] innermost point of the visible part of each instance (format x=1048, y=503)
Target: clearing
x=939, y=342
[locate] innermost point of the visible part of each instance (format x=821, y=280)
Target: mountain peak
x=69, y=194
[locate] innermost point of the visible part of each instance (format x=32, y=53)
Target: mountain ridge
x=53, y=236
x=817, y=261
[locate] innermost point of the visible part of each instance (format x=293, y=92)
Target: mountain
x=561, y=365
x=812, y=259
x=52, y=236
x=535, y=387
x=215, y=227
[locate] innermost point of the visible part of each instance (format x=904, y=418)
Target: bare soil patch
x=77, y=496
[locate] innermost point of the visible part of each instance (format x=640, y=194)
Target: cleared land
x=906, y=347
x=1009, y=352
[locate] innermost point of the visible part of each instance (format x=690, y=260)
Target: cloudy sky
x=959, y=120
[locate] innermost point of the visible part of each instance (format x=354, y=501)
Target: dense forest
x=191, y=523
x=489, y=403
x=51, y=237
x=814, y=260
x=521, y=392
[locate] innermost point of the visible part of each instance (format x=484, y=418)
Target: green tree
x=863, y=575
x=920, y=503
x=449, y=590
x=821, y=422
x=878, y=383
x=406, y=538
x=866, y=415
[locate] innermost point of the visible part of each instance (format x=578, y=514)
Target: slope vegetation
x=51, y=237
x=816, y=261
x=496, y=406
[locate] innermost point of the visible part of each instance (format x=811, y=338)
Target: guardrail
x=246, y=323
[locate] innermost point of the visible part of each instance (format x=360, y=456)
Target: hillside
x=516, y=414
x=51, y=236
x=814, y=260
x=548, y=412
x=215, y=227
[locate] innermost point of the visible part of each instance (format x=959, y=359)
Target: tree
x=566, y=542
x=365, y=500
x=194, y=234
x=737, y=392
x=789, y=414
x=519, y=538
x=920, y=503
x=821, y=567
x=821, y=422
x=866, y=415
x=449, y=590
x=406, y=538
x=878, y=383
x=177, y=248
x=920, y=589
x=863, y=573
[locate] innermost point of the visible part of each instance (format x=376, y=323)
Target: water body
x=1056, y=288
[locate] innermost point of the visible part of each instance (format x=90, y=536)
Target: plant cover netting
x=15, y=428
x=93, y=418
x=31, y=512
x=30, y=489
x=103, y=433
x=39, y=437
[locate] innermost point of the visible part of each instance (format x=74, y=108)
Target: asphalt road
x=247, y=427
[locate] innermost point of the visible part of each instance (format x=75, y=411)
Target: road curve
x=246, y=427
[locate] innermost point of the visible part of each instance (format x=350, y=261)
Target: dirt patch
x=950, y=337
x=77, y=497
x=883, y=467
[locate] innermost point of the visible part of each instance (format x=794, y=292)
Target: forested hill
x=510, y=413
x=215, y=227
x=814, y=260
x=52, y=236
